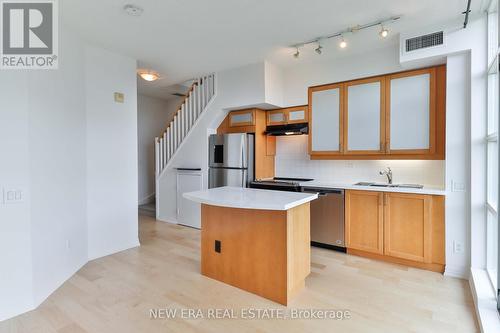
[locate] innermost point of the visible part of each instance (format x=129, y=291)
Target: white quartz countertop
x=326, y=184
x=250, y=198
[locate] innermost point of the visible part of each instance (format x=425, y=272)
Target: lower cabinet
x=364, y=221
x=398, y=227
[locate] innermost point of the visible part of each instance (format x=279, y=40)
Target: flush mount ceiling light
x=148, y=75
x=133, y=10
x=384, y=32
x=343, y=43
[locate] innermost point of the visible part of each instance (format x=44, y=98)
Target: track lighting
x=319, y=48
x=343, y=43
x=383, y=32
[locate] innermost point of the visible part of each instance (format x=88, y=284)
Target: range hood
x=290, y=129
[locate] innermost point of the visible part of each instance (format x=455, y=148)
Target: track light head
x=383, y=32
x=297, y=53
x=343, y=43
x=319, y=49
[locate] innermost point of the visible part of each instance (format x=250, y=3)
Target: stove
x=279, y=184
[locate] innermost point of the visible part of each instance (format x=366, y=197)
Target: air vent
x=425, y=41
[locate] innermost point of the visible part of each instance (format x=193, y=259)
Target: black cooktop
x=280, y=183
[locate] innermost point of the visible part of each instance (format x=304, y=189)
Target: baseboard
x=484, y=299
x=150, y=198
x=135, y=243
x=457, y=272
x=170, y=220
x=439, y=268
x=40, y=300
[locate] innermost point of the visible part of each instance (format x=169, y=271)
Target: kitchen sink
x=389, y=185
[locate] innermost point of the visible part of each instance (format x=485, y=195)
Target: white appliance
x=188, y=212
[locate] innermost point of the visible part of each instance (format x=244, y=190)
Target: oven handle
x=323, y=191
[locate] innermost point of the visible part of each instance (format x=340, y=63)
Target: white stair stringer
x=169, y=145
x=166, y=146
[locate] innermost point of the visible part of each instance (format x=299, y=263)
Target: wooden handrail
x=179, y=108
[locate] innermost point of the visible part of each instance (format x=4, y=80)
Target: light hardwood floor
x=115, y=293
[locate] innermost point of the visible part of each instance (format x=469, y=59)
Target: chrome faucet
x=388, y=173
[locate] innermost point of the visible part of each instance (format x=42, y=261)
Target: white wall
x=466, y=51
x=111, y=152
x=298, y=78
x=457, y=160
x=16, y=280
x=273, y=80
x=292, y=160
x=50, y=123
x=152, y=117
x=57, y=169
x=240, y=87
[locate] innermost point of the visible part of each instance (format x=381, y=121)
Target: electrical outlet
x=12, y=196
x=68, y=244
x=218, y=246
x=458, y=247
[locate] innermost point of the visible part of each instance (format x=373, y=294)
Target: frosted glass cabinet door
x=241, y=118
x=364, y=107
x=276, y=118
x=412, y=112
x=326, y=109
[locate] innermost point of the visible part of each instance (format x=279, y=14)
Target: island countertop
x=249, y=198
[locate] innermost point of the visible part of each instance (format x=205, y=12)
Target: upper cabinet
x=411, y=112
x=364, y=118
x=291, y=115
x=242, y=118
x=396, y=116
x=325, y=119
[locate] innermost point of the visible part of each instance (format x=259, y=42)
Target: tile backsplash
x=292, y=160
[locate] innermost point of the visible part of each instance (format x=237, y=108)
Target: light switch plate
x=457, y=186
x=119, y=97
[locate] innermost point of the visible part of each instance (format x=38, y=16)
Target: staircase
x=166, y=145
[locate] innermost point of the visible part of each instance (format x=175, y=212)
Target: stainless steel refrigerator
x=231, y=160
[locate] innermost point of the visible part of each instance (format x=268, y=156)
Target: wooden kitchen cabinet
x=402, y=228
x=407, y=226
x=326, y=120
x=291, y=115
x=411, y=112
x=364, y=118
x=242, y=118
x=265, y=146
x=364, y=221
x=394, y=116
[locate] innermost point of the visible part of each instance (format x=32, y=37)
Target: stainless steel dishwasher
x=327, y=218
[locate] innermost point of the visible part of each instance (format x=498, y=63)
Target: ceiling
x=183, y=39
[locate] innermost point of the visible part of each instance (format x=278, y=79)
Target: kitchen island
x=256, y=240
